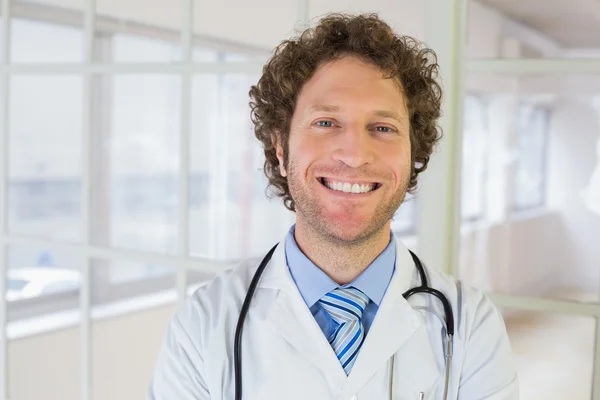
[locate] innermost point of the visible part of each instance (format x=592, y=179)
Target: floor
x=554, y=355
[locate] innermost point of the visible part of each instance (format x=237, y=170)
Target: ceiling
x=573, y=23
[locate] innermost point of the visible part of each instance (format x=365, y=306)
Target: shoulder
x=481, y=344
x=197, y=336
x=468, y=303
x=224, y=290
x=474, y=312
x=214, y=306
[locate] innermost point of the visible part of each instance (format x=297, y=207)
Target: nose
x=354, y=147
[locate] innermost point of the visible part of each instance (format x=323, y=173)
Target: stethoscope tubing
x=424, y=288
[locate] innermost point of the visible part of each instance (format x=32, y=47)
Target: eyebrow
x=388, y=114
x=324, y=108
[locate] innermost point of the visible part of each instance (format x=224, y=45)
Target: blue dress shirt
x=313, y=283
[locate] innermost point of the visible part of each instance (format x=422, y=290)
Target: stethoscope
x=424, y=288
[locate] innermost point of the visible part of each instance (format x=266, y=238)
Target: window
x=531, y=147
x=475, y=152
x=45, y=165
x=135, y=166
x=227, y=161
x=35, y=41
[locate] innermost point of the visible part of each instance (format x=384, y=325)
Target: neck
x=343, y=262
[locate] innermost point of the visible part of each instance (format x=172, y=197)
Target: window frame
x=106, y=28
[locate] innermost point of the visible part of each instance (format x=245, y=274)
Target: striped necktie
x=346, y=306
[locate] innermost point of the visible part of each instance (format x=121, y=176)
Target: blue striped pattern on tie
x=346, y=306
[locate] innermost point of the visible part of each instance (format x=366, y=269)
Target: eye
x=324, y=124
x=383, y=129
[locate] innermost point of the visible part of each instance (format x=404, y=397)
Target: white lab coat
x=286, y=356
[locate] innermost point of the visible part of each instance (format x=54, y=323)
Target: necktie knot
x=345, y=304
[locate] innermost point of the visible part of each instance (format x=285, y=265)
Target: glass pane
x=45, y=158
x=531, y=149
x=554, y=354
x=475, y=144
x=533, y=29
x=205, y=54
x=212, y=50
x=142, y=283
x=230, y=216
x=540, y=185
x=41, y=281
x=33, y=372
x=127, y=47
x=136, y=162
x=36, y=40
x=1, y=31
x=134, y=32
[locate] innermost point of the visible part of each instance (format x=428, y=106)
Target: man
x=347, y=114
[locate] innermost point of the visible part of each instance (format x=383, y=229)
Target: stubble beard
x=308, y=208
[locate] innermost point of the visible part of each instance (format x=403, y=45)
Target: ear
x=276, y=140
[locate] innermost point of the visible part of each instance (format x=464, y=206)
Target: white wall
x=124, y=351
x=575, y=134
x=542, y=251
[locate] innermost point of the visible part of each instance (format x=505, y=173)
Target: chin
x=349, y=232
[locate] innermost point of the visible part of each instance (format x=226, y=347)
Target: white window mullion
x=4, y=76
x=596, y=368
x=534, y=66
x=219, y=171
x=303, y=13
x=86, y=206
x=439, y=222
x=187, y=13
x=137, y=68
x=540, y=304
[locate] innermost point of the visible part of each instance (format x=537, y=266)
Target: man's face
x=349, y=151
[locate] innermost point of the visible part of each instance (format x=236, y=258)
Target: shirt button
x=355, y=397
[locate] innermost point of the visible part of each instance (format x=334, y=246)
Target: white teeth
x=347, y=187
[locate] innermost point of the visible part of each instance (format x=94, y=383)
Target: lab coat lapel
x=291, y=318
x=394, y=325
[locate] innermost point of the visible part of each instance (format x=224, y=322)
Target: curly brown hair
x=366, y=36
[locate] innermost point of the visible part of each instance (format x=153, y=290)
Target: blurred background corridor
x=129, y=175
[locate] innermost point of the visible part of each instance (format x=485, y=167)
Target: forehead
x=351, y=78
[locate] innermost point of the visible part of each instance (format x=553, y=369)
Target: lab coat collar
x=277, y=274
x=292, y=319
x=394, y=323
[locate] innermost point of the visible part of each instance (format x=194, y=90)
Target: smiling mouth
x=349, y=187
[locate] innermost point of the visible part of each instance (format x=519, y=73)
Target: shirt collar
x=313, y=283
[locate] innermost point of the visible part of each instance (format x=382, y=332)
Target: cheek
x=305, y=153
x=399, y=163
